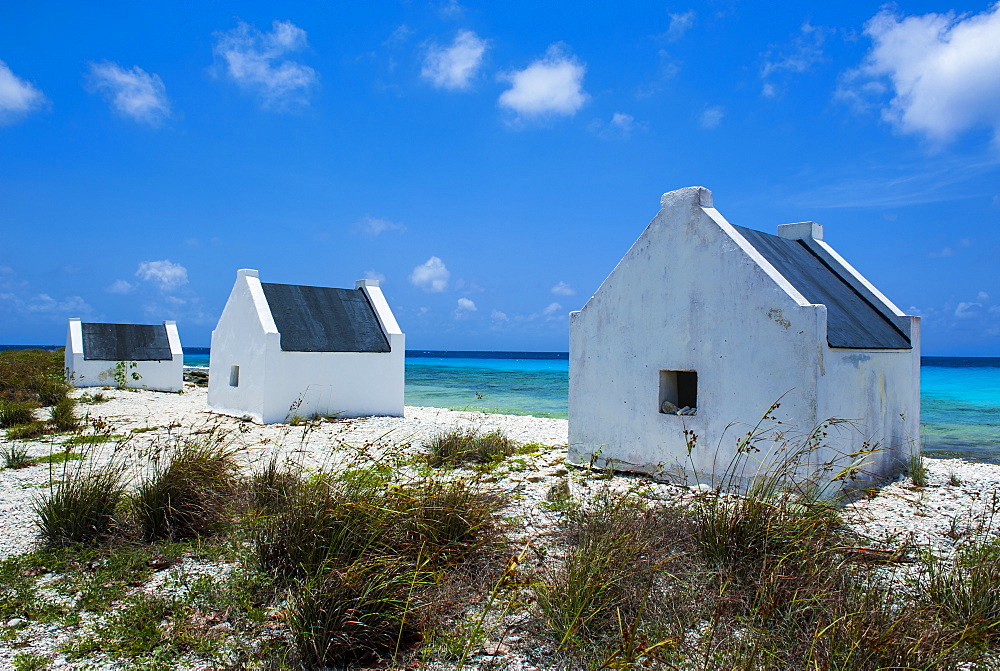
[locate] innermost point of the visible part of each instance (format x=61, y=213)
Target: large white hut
x=703, y=325
x=281, y=350
x=140, y=356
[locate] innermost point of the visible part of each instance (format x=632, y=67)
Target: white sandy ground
x=939, y=517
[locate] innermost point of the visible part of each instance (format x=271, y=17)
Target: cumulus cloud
x=258, y=62
x=431, y=275
x=455, y=66
x=498, y=316
x=133, y=92
x=464, y=307
x=166, y=275
x=712, y=117
x=563, y=289
x=18, y=98
x=372, y=274
x=552, y=309
x=680, y=23
x=551, y=85
x=120, y=287
x=374, y=226
x=940, y=70
x=805, y=51
x=70, y=305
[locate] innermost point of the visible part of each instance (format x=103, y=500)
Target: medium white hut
x=281, y=350
x=703, y=325
x=140, y=356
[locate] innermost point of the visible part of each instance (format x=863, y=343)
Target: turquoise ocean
x=960, y=396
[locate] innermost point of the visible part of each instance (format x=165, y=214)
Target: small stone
x=493, y=649
x=15, y=622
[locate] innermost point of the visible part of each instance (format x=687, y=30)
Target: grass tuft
x=15, y=456
x=16, y=414
x=191, y=495
x=81, y=507
x=462, y=446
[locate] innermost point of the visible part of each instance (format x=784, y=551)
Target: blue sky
x=490, y=162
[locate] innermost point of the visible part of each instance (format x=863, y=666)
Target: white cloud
x=552, y=309
x=966, y=310
x=552, y=85
x=375, y=226
x=498, y=316
x=465, y=306
x=805, y=52
x=258, y=62
x=431, y=275
x=680, y=23
x=120, y=287
x=166, y=275
x=563, y=289
x=70, y=305
x=374, y=275
x=712, y=117
x=18, y=98
x=455, y=66
x=941, y=70
x=134, y=93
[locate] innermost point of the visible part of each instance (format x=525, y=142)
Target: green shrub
x=966, y=591
x=62, y=416
x=459, y=446
x=191, y=495
x=14, y=414
x=81, y=506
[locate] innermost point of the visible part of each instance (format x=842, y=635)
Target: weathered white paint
x=273, y=385
x=165, y=375
x=692, y=294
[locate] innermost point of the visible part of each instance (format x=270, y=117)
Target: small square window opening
x=678, y=392
x=234, y=376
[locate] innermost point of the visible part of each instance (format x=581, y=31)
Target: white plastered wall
x=275, y=385
x=165, y=375
x=691, y=294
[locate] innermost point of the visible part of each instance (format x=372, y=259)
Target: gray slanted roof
x=323, y=319
x=125, y=342
x=852, y=321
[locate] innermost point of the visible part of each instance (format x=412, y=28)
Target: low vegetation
x=32, y=375
x=469, y=446
x=384, y=562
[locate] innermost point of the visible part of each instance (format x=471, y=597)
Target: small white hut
x=703, y=325
x=140, y=356
x=281, y=350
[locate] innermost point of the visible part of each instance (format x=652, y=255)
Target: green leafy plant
x=125, y=372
